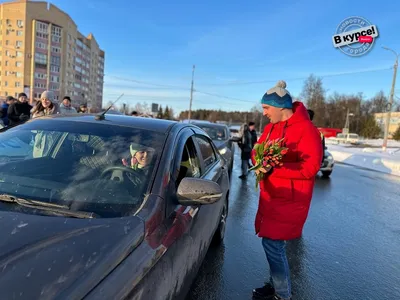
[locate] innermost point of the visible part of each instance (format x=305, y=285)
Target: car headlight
x=330, y=157
x=223, y=150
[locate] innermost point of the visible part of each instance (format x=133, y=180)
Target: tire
x=220, y=232
x=326, y=174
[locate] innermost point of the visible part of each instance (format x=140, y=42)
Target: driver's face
x=143, y=157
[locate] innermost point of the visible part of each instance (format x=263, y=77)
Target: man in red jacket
x=286, y=191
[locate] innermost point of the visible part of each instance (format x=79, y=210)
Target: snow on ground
x=367, y=142
x=370, y=158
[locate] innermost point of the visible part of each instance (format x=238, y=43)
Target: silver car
x=220, y=135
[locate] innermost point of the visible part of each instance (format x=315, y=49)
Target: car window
x=189, y=162
x=207, y=151
x=90, y=167
x=215, y=132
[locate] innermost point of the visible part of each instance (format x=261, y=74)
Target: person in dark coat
x=311, y=115
x=4, y=110
x=252, y=128
x=245, y=146
x=253, y=132
x=20, y=111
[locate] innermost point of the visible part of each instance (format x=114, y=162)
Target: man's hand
x=24, y=117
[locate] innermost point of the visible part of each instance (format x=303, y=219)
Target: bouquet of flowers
x=267, y=155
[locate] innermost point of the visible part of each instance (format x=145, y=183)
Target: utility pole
x=191, y=95
x=390, y=104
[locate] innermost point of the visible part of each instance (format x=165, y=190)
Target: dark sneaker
x=264, y=292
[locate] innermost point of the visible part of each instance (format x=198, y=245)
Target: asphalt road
x=350, y=248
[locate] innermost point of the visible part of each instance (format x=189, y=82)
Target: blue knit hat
x=278, y=96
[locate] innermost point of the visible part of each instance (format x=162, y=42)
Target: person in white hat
x=46, y=106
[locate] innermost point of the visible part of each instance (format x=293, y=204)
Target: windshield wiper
x=58, y=209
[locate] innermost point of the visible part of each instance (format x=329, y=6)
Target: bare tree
x=314, y=95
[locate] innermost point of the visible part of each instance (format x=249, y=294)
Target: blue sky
x=232, y=42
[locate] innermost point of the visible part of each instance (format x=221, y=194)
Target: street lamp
x=389, y=108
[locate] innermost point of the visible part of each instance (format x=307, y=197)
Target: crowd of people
x=17, y=111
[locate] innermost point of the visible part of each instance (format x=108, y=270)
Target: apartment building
x=42, y=49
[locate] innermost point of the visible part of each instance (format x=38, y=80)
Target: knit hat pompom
x=278, y=96
x=281, y=84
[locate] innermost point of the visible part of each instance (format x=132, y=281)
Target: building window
x=42, y=35
x=19, y=54
x=18, y=84
x=18, y=43
x=7, y=53
x=18, y=64
x=55, y=69
x=54, y=78
x=42, y=27
x=40, y=58
x=20, y=23
x=56, y=60
x=41, y=45
x=5, y=84
x=56, y=30
x=6, y=63
x=40, y=85
x=40, y=75
x=18, y=74
x=20, y=32
x=56, y=49
x=56, y=39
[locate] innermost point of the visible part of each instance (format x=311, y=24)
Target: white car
x=327, y=165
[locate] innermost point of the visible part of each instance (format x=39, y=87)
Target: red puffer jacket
x=286, y=192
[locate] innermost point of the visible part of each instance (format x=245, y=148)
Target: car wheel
x=220, y=233
x=326, y=174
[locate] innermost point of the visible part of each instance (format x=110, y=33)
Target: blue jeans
x=279, y=267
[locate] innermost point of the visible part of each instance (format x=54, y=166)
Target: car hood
x=63, y=258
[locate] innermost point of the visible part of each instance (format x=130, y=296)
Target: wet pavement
x=350, y=248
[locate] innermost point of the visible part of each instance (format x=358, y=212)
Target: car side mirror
x=196, y=191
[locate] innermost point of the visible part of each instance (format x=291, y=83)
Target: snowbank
x=370, y=158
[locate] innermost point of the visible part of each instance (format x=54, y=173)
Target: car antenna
x=102, y=115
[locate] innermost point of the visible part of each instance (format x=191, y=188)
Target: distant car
x=350, y=138
x=328, y=164
x=114, y=208
x=220, y=135
x=234, y=129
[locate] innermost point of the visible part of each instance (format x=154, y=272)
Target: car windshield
x=216, y=133
x=101, y=168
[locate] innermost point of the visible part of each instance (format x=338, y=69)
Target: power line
x=148, y=83
x=222, y=96
x=295, y=79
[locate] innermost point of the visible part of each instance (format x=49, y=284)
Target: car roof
x=151, y=124
x=209, y=124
